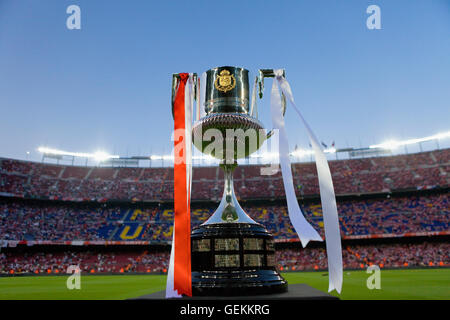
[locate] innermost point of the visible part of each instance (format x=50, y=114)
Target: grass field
x=395, y=284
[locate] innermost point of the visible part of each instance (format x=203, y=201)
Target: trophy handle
x=176, y=81
x=268, y=73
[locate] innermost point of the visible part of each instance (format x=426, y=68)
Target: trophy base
x=234, y=259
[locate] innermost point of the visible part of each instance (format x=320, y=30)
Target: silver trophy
x=231, y=253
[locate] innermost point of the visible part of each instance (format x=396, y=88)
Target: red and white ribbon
x=179, y=281
x=304, y=230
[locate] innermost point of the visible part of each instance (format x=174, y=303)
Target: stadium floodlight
x=265, y=155
x=51, y=151
x=206, y=157
x=301, y=153
x=255, y=155
x=442, y=135
x=103, y=156
x=270, y=155
x=168, y=157
x=389, y=145
x=99, y=155
x=330, y=150
x=209, y=158
x=393, y=144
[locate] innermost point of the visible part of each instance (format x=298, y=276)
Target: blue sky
x=107, y=86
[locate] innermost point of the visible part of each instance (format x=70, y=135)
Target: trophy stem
x=229, y=210
x=229, y=214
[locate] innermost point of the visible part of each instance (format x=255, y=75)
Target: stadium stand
x=361, y=256
x=397, y=216
x=422, y=254
x=89, y=261
x=356, y=176
x=46, y=207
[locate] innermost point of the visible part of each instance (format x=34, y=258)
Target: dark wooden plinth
x=295, y=292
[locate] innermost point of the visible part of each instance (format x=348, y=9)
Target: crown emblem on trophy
x=225, y=81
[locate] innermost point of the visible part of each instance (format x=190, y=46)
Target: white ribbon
x=304, y=230
x=329, y=208
x=170, y=291
x=254, y=105
x=188, y=111
x=197, y=111
x=202, y=97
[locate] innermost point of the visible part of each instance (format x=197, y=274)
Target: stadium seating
x=423, y=254
x=361, y=256
x=88, y=213
x=355, y=176
x=61, y=222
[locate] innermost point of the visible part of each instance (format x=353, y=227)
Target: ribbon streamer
x=170, y=291
x=327, y=196
x=254, y=104
x=304, y=230
x=179, y=276
x=197, y=111
x=202, y=95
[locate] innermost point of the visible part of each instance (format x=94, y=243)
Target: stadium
x=118, y=220
x=221, y=151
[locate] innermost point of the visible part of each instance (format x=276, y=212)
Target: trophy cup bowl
x=231, y=253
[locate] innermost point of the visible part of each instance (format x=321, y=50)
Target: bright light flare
x=393, y=144
x=101, y=156
x=98, y=156
x=302, y=153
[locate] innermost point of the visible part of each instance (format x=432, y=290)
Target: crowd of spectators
x=91, y=221
x=354, y=257
x=361, y=256
x=88, y=262
x=47, y=222
x=369, y=175
x=34, y=221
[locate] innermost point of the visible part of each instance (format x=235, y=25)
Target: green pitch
x=395, y=284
